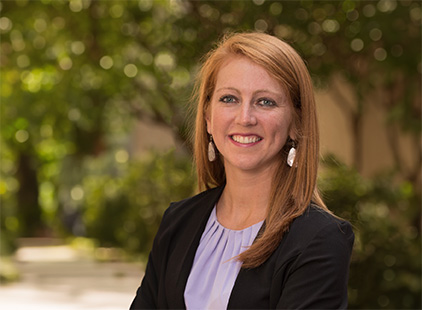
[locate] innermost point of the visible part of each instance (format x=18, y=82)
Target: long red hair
x=292, y=188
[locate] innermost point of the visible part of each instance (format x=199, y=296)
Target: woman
x=259, y=236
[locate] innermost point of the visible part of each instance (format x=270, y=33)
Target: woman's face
x=249, y=117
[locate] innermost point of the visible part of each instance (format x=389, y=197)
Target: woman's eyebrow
x=278, y=94
x=255, y=92
x=227, y=88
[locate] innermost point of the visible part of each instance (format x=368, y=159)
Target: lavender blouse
x=214, y=272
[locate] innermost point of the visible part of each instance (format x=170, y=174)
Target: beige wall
x=336, y=133
x=334, y=128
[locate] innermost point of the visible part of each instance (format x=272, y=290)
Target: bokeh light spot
x=21, y=136
x=330, y=25
x=5, y=24
x=106, y=62
x=77, y=193
x=357, y=45
x=261, y=25
x=121, y=156
x=65, y=63
x=77, y=47
x=375, y=34
x=380, y=54
x=130, y=70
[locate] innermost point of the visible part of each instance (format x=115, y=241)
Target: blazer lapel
x=181, y=259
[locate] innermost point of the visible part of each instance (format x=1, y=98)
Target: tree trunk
x=29, y=211
x=357, y=141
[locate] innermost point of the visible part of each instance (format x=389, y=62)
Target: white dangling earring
x=292, y=155
x=211, y=150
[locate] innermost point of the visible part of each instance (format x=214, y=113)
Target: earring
x=292, y=155
x=211, y=150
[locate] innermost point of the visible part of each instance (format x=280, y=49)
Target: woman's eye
x=228, y=99
x=266, y=102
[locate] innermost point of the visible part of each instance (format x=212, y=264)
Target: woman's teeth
x=246, y=140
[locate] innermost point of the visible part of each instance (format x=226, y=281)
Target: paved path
x=56, y=277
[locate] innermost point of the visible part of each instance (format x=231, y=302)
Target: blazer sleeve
x=147, y=294
x=319, y=275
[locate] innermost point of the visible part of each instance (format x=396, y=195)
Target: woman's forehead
x=239, y=71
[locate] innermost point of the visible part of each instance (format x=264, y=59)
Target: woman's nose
x=246, y=115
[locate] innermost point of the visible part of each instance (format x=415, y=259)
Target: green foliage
x=386, y=267
x=124, y=209
x=8, y=271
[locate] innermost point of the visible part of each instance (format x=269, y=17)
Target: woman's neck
x=245, y=199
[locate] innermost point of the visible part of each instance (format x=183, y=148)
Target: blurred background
x=95, y=126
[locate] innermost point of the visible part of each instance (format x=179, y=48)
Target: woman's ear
x=208, y=127
x=293, y=132
x=207, y=118
x=292, y=136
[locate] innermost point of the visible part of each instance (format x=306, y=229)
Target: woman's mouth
x=245, y=139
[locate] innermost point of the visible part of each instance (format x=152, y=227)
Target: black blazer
x=308, y=270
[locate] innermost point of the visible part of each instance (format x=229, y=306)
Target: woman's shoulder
x=187, y=205
x=189, y=212
x=319, y=216
x=184, y=219
x=319, y=225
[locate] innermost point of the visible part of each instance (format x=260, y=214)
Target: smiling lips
x=245, y=139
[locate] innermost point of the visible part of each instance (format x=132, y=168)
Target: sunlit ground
x=60, y=277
